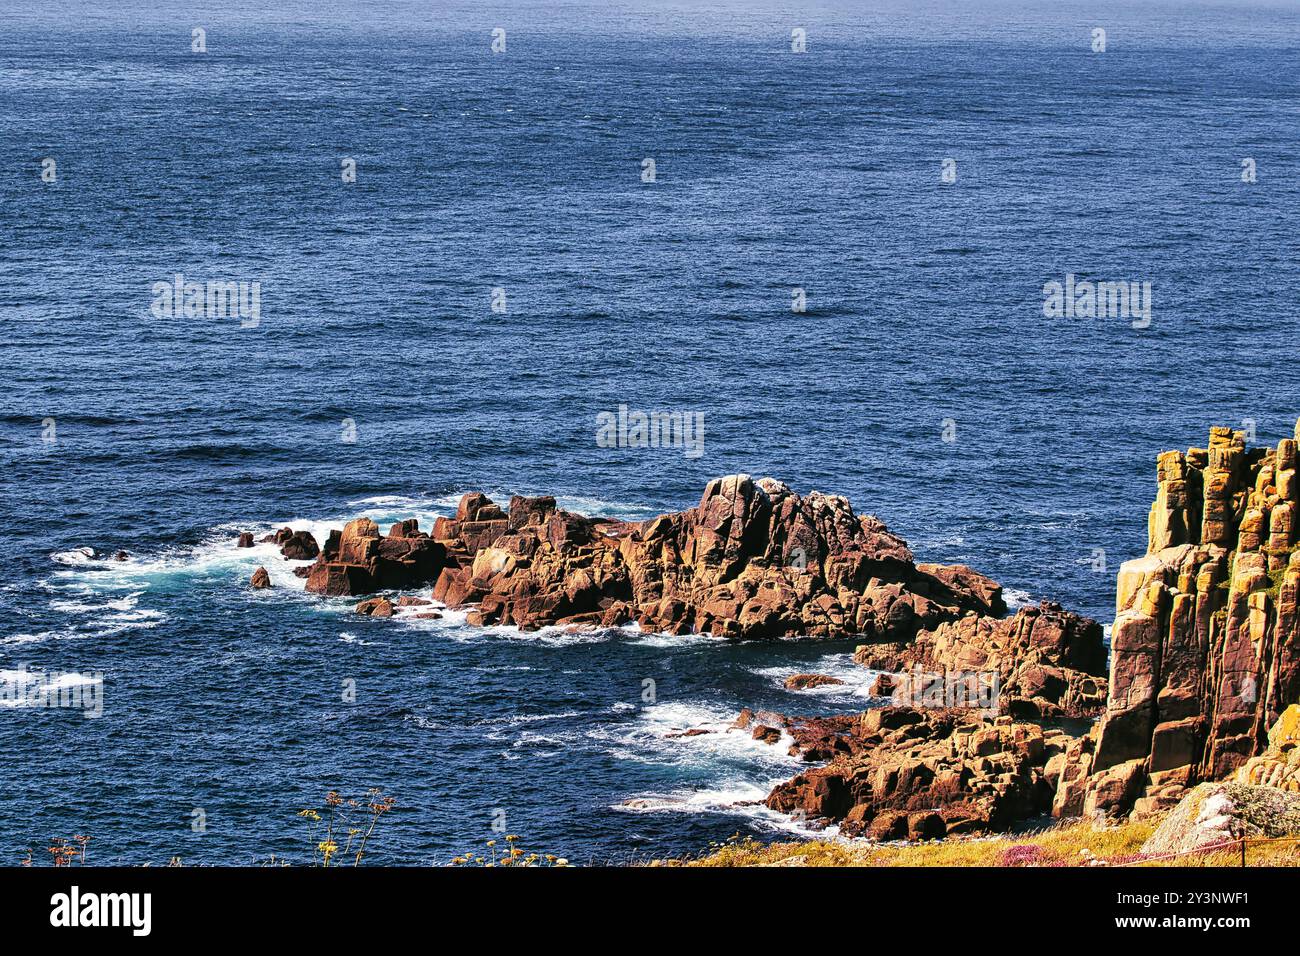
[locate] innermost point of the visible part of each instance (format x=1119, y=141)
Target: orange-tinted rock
x=752, y=560
x=261, y=579
x=899, y=773
x=1205, y=652
x=809, y=681
x=299, y=546
x=358, y=560
x=376, y=607
x=1048, y=662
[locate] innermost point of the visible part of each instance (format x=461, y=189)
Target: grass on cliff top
x=1068, y=844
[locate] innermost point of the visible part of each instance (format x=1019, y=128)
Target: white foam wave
x=1016, y=599
x=24, y=688
x=32, y=638
x=657, y=736
x=856, y=680
x=347, y=638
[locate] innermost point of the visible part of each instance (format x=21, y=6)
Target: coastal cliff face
x=1204, y=660
x=1204, y=649
x=753, y=560
x=1204, y=654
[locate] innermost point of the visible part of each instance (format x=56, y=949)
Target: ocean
x=836, y=259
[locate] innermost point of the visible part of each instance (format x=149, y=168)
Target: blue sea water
x=522, y=171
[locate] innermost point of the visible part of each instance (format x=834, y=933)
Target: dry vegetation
x=1069, y=844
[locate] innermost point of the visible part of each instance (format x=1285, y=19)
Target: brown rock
x=376, y=607
x=299, y=546
x=768, y=735
x=903, y=773
x=809, y=681
x=884, y=686
x=358, y=560
x=246, y=539
x=261, y=579
x=753, y=560
x=1047, y=661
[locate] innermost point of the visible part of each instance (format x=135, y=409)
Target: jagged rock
x=245, y=539
x=261, y=579
x=359, y=561
x=1049, y=662
x=299, y=546
x=1214, y=814
x=279, y=537
x=809, y=681
x=1204, y=647
x=752, y=560
x=407, y=601
x=904, y=773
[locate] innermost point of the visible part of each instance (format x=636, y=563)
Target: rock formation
x=358, y=560
x=1204, y=649
x=752, y=560
x=1049, y=662
x=902, y=772
x=299, y=546
x=261, y=579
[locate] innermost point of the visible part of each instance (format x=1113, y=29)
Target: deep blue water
x=522, y=171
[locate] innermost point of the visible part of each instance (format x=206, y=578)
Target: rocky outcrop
x=299, y=546
x=1204, y=647
x=358, y=560
x=905, y=773
x=1049, y=662
x=752, y=560
x=261, y=579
